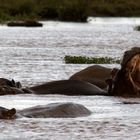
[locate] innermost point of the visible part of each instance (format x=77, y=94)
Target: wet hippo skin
x=95, y=74
x=68, y=87
x=64, y=87
x=53, y=110
x=10, y=83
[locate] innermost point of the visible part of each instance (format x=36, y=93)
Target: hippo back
x=68, y=87
x=56, y=110
x=95, y=74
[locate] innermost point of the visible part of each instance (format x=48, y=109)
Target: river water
x=35, y=55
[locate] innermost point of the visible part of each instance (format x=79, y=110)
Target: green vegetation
x=63, y=10
x=137, y=28
x=66, y=10
x=87, y=60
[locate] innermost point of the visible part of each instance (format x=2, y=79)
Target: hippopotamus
x=7, y=113
x=7, y=90
x=95, y=74
x=10, y=87
x=64, y=87
x=53, y=110
x=10, y=83
x=127, y=80
x=67, y=87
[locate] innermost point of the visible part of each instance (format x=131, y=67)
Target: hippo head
x=7, y=113
x=127, y=80
x=10, y=83
x=5, y=90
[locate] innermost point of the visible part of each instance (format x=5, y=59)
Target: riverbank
x=75, y=10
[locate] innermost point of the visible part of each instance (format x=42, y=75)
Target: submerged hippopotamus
x=10, y=87
x=64, y=87
x=68, y=87
x=53, y=110
x=7, y=90
x=10, y=83
x=127, y=80
x=95, y=74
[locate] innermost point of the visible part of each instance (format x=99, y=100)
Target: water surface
x=35, y=55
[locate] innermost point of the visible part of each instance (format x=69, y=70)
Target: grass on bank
x=67, y=10
x=89, y=60
x=63, y=10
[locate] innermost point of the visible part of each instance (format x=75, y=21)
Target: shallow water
x=35, y=55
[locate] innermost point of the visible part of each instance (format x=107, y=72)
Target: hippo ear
x=18, y=85
x=13, y=82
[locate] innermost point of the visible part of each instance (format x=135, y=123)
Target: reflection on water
x=35, y=55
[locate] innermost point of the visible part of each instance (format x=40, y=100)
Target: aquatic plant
x=89, y=60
